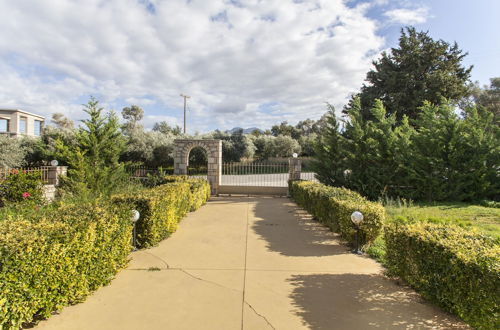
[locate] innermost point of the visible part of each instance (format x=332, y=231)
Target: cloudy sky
x=243, y=62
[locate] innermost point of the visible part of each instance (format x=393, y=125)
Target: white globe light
x=135, y=215
x=54, y=162
x=295, y=155
x=357, y=217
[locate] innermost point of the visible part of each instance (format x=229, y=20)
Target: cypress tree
x=328, y=163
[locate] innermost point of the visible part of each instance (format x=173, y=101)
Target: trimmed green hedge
x=200, y=192
x=456, y=268
x=58, y=254
x=58, y=257
x=333, y=207
x=162, y=207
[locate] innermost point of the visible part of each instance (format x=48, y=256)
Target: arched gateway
x=214, y=155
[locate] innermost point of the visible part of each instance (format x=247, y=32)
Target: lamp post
x=357, y=219
x=134, y=217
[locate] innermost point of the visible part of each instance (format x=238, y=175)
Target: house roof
x=20, y=111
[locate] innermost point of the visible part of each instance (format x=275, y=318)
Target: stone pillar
x=295, y=168
x=214, y=155
x=180, y=161
x=54, y=173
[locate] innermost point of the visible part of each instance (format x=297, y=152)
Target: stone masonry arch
x=182, y=148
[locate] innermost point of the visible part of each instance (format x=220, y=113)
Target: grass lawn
x=484, y=219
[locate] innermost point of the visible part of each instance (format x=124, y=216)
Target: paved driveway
x=251, y=263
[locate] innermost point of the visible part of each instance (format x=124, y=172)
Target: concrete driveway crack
x=187, y=273
x=203, y=280
x=262, y=316
x=159, y=258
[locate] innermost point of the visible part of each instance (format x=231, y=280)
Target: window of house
x=37, y=130
x=4, y=125
x=23, y=127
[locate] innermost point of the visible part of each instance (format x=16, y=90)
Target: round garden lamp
x=54, y=162
x=357, y=219
x=295, y=155
x=134, y=217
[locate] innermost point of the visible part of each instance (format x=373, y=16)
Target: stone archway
x=214, y=155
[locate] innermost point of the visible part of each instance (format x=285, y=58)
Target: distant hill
x=245, y=130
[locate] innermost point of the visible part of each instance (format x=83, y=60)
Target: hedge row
x=333, y=207
x=57, y=257
x=59, y=254
x=200, y=189
x=162, y=207
x=456, y=268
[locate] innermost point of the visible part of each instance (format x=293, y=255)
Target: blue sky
x=474, y=25
x=244, y=63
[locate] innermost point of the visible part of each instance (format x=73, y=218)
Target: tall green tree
x=133, y=115
x=93, y=161
x=489, y=98
x=165, y=128
x=329, y=161
x=419, y=69
x=370, y=147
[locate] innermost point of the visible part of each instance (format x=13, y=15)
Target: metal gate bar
x=259, y=174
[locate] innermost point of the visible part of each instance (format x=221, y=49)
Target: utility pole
x=185, y=101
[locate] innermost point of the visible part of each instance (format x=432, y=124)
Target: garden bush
x=333, y=207
x=457, y=268
x=58, y=256
x=200, y=192
x=21, y=186
x=200, y=188
x=162, y=207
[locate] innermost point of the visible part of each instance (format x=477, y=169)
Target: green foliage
x=235, y=146
x=93, y=161
x=151, y=148
x=57, y=256
x=133, y=115
x=456, y=268
x=329, y=162
x=162, y=207
x=165, y=128
x=488, y=203
x=334, y=206
x=419, y=69
x=11, y=152
x=441, y=163
x=21, y=186
x=484, y=219
x=380, y=157
x=489, y=98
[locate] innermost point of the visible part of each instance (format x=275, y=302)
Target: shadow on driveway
x=357, y=301
x=291, y=231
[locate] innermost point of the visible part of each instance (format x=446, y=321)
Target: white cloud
x=298, y=55
x=408, y=16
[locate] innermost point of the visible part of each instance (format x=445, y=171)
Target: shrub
x=162, y=207
x=21, y=186
x=333, y=207
x=200, y=188
x=200, y=192
x=456, y=268
x=57, y=257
